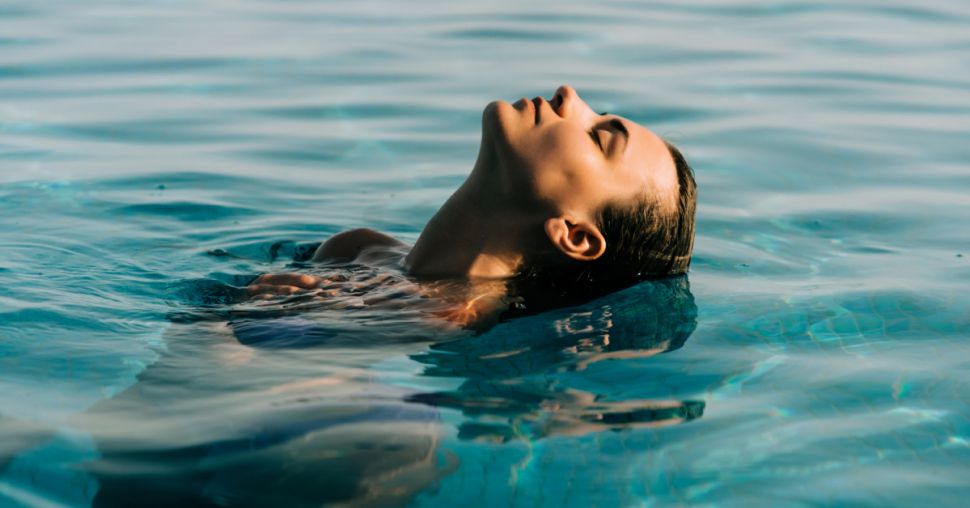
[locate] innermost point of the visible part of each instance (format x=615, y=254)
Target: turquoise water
x=154, y=154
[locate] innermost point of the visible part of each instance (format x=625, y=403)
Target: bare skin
x=544, y=169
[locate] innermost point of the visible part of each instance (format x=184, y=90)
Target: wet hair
x=643, y=241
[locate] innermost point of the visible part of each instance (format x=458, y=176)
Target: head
x=614, y=203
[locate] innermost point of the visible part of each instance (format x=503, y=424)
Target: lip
x=537, y=107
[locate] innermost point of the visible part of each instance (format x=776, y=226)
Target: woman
x=563, y=204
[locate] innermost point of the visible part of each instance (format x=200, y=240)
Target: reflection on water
x=146, y=144
x=513, y=386
x=207, y=424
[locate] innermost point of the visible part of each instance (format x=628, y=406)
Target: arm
x=348, y=245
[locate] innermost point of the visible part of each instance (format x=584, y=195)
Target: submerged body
x=462, y=302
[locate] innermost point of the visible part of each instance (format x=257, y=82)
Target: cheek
x=554, y=165
x=568, y=148
x=569, y=173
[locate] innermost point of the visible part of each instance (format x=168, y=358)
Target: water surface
x=154, y=154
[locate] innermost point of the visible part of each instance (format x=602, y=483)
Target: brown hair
x=643, y=241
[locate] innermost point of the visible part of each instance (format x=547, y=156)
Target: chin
x=491, y=109
x=496, y=119
x=491, y=115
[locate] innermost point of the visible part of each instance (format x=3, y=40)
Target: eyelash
x=596, y=138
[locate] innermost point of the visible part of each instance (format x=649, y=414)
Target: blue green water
x=153, y=154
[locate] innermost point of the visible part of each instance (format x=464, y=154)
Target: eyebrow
x=616, y=122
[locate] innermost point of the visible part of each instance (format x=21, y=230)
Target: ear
x=580, y=240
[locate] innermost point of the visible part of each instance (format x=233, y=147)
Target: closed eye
x=596, y=139
x=614, y=124
x=597, y=134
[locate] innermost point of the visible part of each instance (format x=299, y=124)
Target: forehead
x=648, y=155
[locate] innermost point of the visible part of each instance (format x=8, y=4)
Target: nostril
x=556, y=102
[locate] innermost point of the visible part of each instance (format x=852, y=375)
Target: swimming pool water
x=155, y=154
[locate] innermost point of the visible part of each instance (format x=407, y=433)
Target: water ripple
x=156, y=156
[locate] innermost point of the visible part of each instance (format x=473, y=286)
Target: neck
x=474, y=234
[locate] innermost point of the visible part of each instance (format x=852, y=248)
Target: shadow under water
x=368, y=422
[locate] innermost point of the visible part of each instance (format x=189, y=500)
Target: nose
x=566, y=90
x=568, y=103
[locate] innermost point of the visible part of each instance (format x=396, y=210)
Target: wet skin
x=544, y=169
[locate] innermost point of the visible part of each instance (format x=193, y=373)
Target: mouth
x=537, y=106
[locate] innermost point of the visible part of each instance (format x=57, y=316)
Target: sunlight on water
x=155, y=156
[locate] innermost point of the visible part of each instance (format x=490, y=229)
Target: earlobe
x=579, y=240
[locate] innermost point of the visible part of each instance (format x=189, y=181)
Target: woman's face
x=563, y=155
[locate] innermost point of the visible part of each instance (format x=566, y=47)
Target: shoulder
x=349, y=245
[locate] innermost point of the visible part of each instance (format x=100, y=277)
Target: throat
x=477, y=233
x=458, y=243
